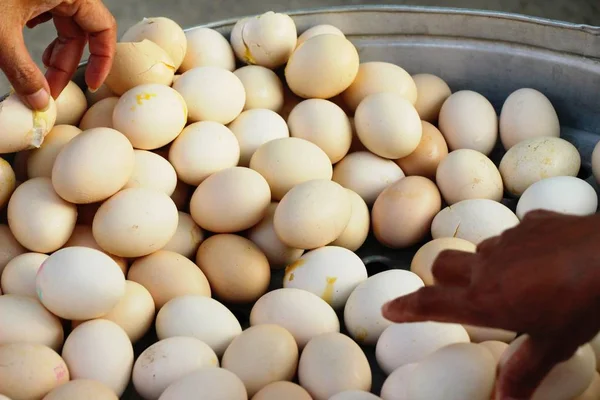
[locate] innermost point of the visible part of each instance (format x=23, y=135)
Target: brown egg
x=238, y=272
x=41, y=161
x=187, y=238
x=100, y=115
x=432, y=93
x=9, y=247
x=71, y=104
x=282, y=390
x=82, y=389
x=403, y=213
x=8, y=182
x=357, y=230
x=432, y=149
x=263, y=88
x=423, y=260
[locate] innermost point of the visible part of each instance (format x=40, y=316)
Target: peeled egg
x=322, y=67
x=526, y=114
x=22, y=128
x=535, y=159
x=82, y=389
x=482, y=334
x=263, y=88
x=9, y=247
x=593, y=391
x=596, y=163
x=282, y=390
x=433, y=92
x=424, y=258
x=71, y=104
x=261, y=355
x=83, y=236
x=496, y=348
x=468, y=174
x=357, y=230
x=8, y=182
x=207, y=48
x=150, y=115
x=415, y=201
x=19, y=274
x=100, y=115
x=213, y=383
x=187, y=238
x=101, y=93
x=468, y=121
x=153, y=172
x=354, y=395
x=288, y=162
x=318, y=30
x=41, y=161
x=424, y=161
x=395, y=386
x=362, y=313
x=388, y=125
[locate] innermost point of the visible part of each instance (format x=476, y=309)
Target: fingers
x=453, y=268
x=40, y=19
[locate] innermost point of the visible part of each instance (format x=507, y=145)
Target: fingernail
x=39, y=101
x=93, y=90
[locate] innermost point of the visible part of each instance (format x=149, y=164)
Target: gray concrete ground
x=194, y=12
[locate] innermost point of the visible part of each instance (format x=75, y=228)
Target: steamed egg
x=207, y=48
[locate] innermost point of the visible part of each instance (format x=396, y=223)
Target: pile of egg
x=181, y=190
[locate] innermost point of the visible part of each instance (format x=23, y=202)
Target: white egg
x=596, y=163
x=318, y=30
x=153, y=172
x=40, y=161
x=263, y=87
x=213, y=383
x=207, y=48
x=479, y=334
x=19, y=274
x=395, y=386
x=71, y=104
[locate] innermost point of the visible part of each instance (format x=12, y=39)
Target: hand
x=541, y=278
x=76, y=22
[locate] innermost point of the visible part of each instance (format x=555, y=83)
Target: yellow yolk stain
x=144, y=96
x=329, y=289
x=289, y=276
x=361, y=335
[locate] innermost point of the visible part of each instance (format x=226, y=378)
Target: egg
x=100, y=115
x=212, y=94
x=207, y=48
x=165, y=32
x=415, y=201
x=93, y=166
x=323, y=123
x=9, y=247
x=461, y=371
x=362, y=313
x=303, y=314
x=332, y=363
x=150, y=115
x=264, y=236
x=468, y=121
x=596, y=162
x=25, y=320
x=313, y=214
x=395, y=386
x=8, y=182
x=231, y=200
x=38, y=218
x=153, y=172
x=261, y=355
x=535, y=159
x=30, y=371
x=388, y=125
x=187, y=238
x=41, y=161
x=527, y=114
x=255, y=127
x=19, y=274
x=595, y=343
x=71, y=104
x=496, y=348
x=318, y=30
x=366, y=174
x=83, y=236
x=82, y=388
x=213, y=383
x=263, y=88
x=205, y=319
x=167, y=275
x=432, y=149
x=593, y=391
x=468, y=174
x=433, y=92
x=354, y=395
x=473, y=220
x=425, y=257
x=288, y=162
x=97, y=95
x=22, y=128
x=322, y=67
x=267, y=40
x=135, y=222
x=357, y=230
x=139, y=63
x=282, y=390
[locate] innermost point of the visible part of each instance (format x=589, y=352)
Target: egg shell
x=261, y=355
x=207, y=48
x=153, y=172
x=165, y=32
x=593, y=391
x=395, y=386
x=83, y=236
x=8, y=182
x=562, y=194
x=473, y=220
x=362, y=313
x=303, y=314
x=323, y=123
x=212, y=94
x=415, y=201
x=282, y=390
x=595, y=343
x=99, y=94
x=71, y=104
x=30, y=371
x=41, y=161
x=288, y=162
x=468, y=174
x=187, y=238
x=527, y=114
x=354, y=395
x=424, y=258
x=139, y=63
x=357, y=230
x=332, y=363
x=100, y=350
x=263, y=88
x=468, y=121
x=496, y=348
x=9, y=247
x=19, y=274
x=38, y=218
x=93, y=166
x=213, y=383
x=318, y=30
x=366, y=174
x=264, y=236
x=388, y=125
x=535, y=159
x=100, y=115
x=424, y=161
x=82, y=389
x=596, y=162
x=313, y=214
x=20, y=127
x=205, y=319
x=150, y=115
x=253, y=128
x=135, y=222
x=167, y=275
x=322, y=67
x=432, y=93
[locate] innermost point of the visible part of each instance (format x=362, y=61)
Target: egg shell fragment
x=424, y=161
x=81, y=389
x=432, y=91
x=41, y=161
x=71, y=104
x=19, y=274
x=357, y=230
x=425, y=257
x=100, y=115
x=207, y=48
x=263, y=88
x=282, y=390
x=213, y=383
